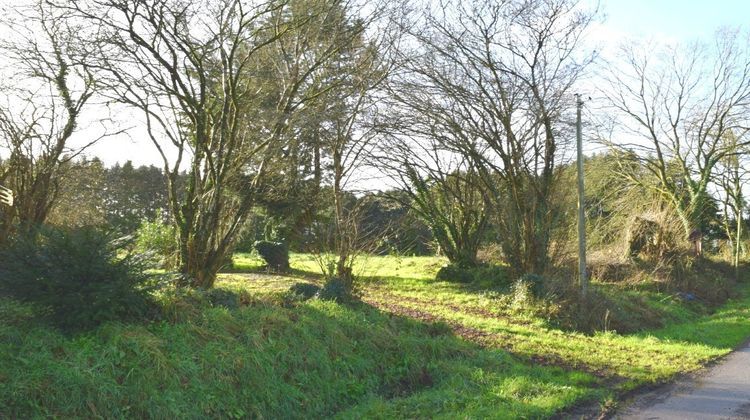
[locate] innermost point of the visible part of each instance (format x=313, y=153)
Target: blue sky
x=685, y=20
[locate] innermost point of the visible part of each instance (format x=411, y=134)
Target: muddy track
x=489, y=339
x=470, y=310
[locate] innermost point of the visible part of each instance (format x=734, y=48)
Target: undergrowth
x=262, y=360
x=412, y=347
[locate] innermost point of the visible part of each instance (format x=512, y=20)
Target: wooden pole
x=582, y=275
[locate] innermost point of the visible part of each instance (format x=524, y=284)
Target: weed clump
x=491, y=276
x=336, y=290
x=454, y=273
x=304, y=290
x=486, y=275
x=222, y=297
x=534, y=283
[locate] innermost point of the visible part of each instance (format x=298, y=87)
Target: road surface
x=723, y=392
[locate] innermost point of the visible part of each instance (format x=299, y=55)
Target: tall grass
x=265, y=361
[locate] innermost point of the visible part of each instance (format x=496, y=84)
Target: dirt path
x=723, y=392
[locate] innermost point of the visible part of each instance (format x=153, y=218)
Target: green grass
x=635, y=357
x=367, y=267
x=414, y=348
x=317, y=359
x=689, y=340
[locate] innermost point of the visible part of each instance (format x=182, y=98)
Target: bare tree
x=441, y=188
x=218, y=83
x=732, y=177
x=349, y=139
x=48, y=88
x=675, y=107
x=491, y=81
x=335, y=132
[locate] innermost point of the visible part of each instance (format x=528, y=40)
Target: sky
x=671, y=20
x=658, y=20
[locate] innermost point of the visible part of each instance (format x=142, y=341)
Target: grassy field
x=413, y=348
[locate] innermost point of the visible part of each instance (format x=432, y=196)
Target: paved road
x=723, y=392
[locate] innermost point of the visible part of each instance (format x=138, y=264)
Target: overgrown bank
x=316, y=359
x=250, y=350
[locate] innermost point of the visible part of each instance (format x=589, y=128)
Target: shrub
x=275, y=254
x=454, y=273
x=336, y=290
x=491, y=275
x=297, y=293
x=76, y=277
x=222, y=297
x=521, y=294
x=534, y=282
x=158, y=240
x=600, y=311
x=304, y=290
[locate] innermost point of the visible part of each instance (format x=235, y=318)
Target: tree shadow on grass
x=254, y=267
x=422, y=369
x=292, y=272
x=653, y=355
x=313, y=359
x=727, y=328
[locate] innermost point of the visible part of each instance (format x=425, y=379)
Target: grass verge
x=316, y=359
x=414, y=348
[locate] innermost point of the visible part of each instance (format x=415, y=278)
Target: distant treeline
x=123, y=196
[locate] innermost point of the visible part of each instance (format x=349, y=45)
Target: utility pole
x=582, y=275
